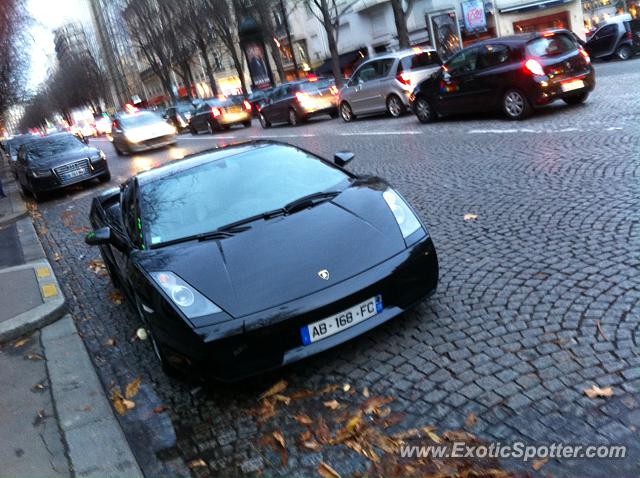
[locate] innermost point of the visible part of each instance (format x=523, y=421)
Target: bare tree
x=224, y=24
x=151, y=34
x=329, y=13
x=13, y=59
x=400, y=14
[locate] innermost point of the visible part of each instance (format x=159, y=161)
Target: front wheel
x=515, y=105
x=264, y=122
x=623, y=53
x=423, y=110
x=210, y=127
x=294, y=119
x=576, y=99
x=395, y=108
x=346, y=112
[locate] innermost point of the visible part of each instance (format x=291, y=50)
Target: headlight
x=41, y=173
x=102, y=155
x=406, y=219
x=96, y=159
x=191, y=302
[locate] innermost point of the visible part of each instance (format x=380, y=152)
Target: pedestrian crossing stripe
x=49, y=290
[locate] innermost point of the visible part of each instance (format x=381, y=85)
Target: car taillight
x=534, y=67
x=404, y=78
x=215, y=112
x=585, y=55
x=333, y=90
x=247, y=105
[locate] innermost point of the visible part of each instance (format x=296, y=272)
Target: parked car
x=58, y=161
x=297, y=101
x=141, y=131
x=620, y=39
x=514, y=74
x=384, y=83
x=215, y=114
x=249, y=257
x=179, y=115
x=11, y=146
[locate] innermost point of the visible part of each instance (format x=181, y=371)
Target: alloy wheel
x=394, y=106
x=293, y=118
x=209, y=127
x=345, y=112
x=624, y=53
x=514, y=104
x=423, y=110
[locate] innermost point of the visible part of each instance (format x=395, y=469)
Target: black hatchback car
x=512, y=74
x=57, y=161
x=245, y=258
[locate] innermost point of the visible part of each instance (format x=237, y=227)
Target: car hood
x=279, y=260
x=63, y=158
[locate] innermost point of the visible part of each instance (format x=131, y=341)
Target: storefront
x=520, y=16
x=597, y=12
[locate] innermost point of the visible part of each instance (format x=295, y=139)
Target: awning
x=346, y=60
x=539, y=5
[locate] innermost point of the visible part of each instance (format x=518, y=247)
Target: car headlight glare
x=406, y=219
x=190, y=302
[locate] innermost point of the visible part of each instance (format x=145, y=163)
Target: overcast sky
x=47, y=15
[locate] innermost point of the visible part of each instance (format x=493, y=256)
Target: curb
x=18, y=207
x=53, y=302
x=96, y=445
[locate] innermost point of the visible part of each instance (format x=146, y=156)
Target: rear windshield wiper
x=309, y=201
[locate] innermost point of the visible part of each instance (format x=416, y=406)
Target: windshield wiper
x=309, y=201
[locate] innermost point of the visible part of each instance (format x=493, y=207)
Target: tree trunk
x=238, y=66
x=208, y=68
x=401, y=23
x=333, y=44
x=277, y=58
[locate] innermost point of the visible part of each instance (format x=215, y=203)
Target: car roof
x=522, y=38
x=401, y=53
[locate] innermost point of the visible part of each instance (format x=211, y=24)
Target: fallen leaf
x=120, y=403
x=597, y=392
x=365, y=392
x=282, y=398
x=354, y=423
x=111, y=342
x=332, y=404
x=279, y=438
x=120, y=407
x=322, y=431
x=374, y=404
x=34, y=357
x=470, y=217
x=471, y=420
x=97, y=267
x=274, y=390
x=536, y=465
x=430, y=432
x=39, y=386
x=160, y=409
x=329, y=388
x=141, y=334
x=57, y=257
x=20, y=343
x=115, y=297
x=133, y=388
x=198, y=463
x=311, y=445
x=303, y=419
x=306, y=436
x=326, y=471
x=346, y=387
x=302, y=394
x=129, y=404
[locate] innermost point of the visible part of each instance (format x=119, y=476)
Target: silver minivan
x=384, y=83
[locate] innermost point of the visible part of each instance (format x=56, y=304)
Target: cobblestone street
x=537, y=229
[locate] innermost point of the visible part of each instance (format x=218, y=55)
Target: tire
x=395, y=107
x=346, y=112
x=515, y=105
x=623, y=53
x=294, y=119
x=264, y=122
x=39, y=197
x=423, y=110
x=576, y=99
x=105, y=178
x=210, y=127
x=247, y=124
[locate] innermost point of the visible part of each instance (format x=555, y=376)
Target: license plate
x=341, y=321
x=75, y=173
x=572, y=85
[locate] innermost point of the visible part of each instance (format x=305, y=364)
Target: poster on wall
x=446, y=34
x=474, y=16
x=256, y=59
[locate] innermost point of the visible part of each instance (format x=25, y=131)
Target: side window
x=464, y=62
x=606, y=31
x=368, y=72
x=384, y=67
x=492, y=55
x=129, y=214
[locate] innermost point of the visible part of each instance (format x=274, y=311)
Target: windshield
x=550, y=46
x=420, y=60
x=140, y=119
x=51, y=146
x=209, y=196
x=14, y=144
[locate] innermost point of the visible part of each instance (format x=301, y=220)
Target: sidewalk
x=55, y=418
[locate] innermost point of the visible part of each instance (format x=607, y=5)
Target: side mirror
x=342, y=158
x=104, y=236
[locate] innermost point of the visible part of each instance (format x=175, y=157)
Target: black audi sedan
x=248, y=257
x=513, y=74
x=58, y=161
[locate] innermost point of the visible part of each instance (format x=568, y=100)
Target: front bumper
x=545, y=90
x=55, y=181
x=151, y=143
x=270, y=339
